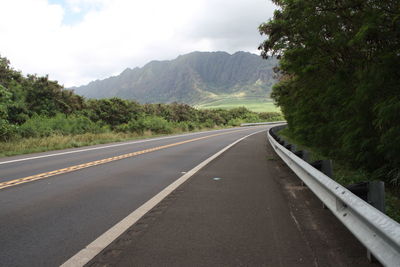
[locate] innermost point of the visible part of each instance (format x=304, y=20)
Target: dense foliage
x=35, y=106
x=340, y=70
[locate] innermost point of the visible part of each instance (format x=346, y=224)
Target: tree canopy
x=339, y=85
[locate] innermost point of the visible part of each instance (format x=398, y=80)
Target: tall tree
x=340, y=70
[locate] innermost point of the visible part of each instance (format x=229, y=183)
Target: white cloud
x=116, y=34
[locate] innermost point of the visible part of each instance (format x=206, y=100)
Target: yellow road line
x=98, y=162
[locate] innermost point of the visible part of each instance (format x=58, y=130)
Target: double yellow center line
x=99, y=162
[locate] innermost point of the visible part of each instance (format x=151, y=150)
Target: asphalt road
x=46, y=221
x=245, y=208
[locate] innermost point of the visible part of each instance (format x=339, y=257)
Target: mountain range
x=192, y=78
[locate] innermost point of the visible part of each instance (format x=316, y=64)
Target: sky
x=77, y=41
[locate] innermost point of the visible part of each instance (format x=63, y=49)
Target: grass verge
x=345, y=175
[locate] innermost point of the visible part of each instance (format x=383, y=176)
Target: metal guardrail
x=376, y=231
x=261, y=123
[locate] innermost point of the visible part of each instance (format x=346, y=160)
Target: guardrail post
x=325, y=166
x=304, y=155
x=376, y=197
x=288, y=146
x=374, y=193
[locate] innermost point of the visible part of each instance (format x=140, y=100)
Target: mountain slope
x=191, y=78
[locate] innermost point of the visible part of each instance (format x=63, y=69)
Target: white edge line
x=115, y=145
x=94, y=248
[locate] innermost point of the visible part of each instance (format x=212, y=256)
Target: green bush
x=251, y=117
x=271, y=116
x=182, y=126
x=209, y=123
x=235, y=122
x=157, y=125
x=7, y=130
x=41, y=126
x=132, y=126
x=192, y=125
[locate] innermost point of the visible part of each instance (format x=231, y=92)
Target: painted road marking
x=94, y=248
x=44, y=175
x=108, y=146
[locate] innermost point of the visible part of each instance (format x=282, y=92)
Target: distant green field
x=253, y=104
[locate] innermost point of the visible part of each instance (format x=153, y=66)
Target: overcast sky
x=77, y=41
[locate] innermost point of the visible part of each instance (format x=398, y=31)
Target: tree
x=340, y=69
x=113, y=111
x=6, y=129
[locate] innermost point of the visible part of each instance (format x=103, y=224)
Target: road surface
x=232, y=212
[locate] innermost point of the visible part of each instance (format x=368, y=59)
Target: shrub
x=41, y=126
x=7, y=130
x=132, y=126
x=235, y=122
x=209, y=123
x=157, y=125
x=271, y=116
x=251, y=117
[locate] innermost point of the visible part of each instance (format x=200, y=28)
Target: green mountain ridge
x=194, y=78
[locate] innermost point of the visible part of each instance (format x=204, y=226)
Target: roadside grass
x=345, y=175
x=57, y=142
x=258, y=104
